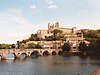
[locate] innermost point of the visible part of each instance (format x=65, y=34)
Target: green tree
x=66, y=47
x=97, y=43
x=82, y=46
x=18, y=44
x=13, y=46
x=91, y=47
x=24, y=41
x=30, y=46
x=48, y=39
x=56, y=31
x=92, y=35
x=34, y=37
x=5, y=46
x=22, y=46
x=37, y=46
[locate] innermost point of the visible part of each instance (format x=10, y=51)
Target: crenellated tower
x=57, y=25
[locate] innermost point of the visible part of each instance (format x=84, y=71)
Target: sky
x=21, y=18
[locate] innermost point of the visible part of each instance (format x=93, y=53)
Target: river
x=50, y=65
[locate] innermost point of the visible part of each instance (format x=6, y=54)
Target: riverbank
x=96, y=72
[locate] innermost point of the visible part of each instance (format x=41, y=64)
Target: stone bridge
x=28, y=52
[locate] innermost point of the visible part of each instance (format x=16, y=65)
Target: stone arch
x=11, y=56
x=54, y=53
x=60, y=53
x=0, y=57
x=34, y=54
x=46, y=53
x=23, y=55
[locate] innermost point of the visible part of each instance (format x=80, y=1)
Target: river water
x=50, y=65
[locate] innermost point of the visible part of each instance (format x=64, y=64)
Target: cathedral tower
x=57, y=25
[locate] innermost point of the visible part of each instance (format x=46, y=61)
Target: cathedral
x=66, y=31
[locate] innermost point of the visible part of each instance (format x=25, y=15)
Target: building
x=43, y=33
x=51, y=27
x=65, y=30
x=47, y=44
x=52, y=44
x=74, y=42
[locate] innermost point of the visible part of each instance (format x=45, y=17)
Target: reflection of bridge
x=28, y=52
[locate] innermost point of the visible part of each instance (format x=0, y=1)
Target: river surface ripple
x=50, y=65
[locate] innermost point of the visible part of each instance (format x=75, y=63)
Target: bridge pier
x=3, y=58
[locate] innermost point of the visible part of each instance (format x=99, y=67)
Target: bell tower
x=48, y=26
x=57, y=25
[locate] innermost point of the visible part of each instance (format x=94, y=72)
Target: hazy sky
x=20, y=18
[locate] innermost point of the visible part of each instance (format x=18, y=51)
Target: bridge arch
x=0, y=57
x=11, y=56
x=34, y=54
x=46, y=53
x=54, y=53
x=23, y=55
x=60, y=52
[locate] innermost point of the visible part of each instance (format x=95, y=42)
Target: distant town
x=56, y=37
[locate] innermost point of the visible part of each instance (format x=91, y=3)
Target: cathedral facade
x=51, y=27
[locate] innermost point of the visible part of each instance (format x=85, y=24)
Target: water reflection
x=46, y=53
x=23, y=56
x=9, y=61
x=50, y=65
x=54, y=53
x=10, y=56
x=34, y=54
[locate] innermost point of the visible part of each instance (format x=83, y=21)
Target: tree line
x=93, y=46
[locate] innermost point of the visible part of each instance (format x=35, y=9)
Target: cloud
x=13, y=26
x=52, y=6
x=33, y=7
x=49, y=1
x=12, y=17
